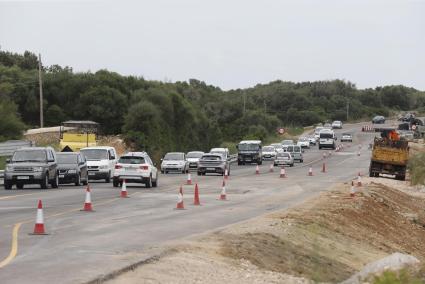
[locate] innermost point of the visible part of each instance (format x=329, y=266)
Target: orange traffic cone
x=324, y=168
x=324, y=155
x=282, y=172
x=352, y=190
x=196, y=198
x=271, y=168
x=257, y=170
x=180, y=204
x=223, y=191
x=359, y=180
x=39, y=221
x=124, y=190
x=87, y=203
x=310, y=171
x=189, y=179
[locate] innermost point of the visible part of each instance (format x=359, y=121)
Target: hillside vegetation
x=159, y=116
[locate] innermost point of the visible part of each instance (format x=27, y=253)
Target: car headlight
x=9, y=168
x=104, y=167
x=72, y=171
x=37, y=169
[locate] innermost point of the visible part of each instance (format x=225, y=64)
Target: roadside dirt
x=324, y=240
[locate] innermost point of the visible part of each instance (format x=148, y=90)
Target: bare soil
x=324, y=240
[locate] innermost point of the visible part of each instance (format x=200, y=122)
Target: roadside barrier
x=189, y=179
x=196, y=196
x=271, y=168
x=180, y=204
x=124, y=190
x=257, y=170
x=282, y=172
x=39, y=221
x=310, y=171
x=323, y=168
x=368, y=128
x=223, y=191
x=87, y=203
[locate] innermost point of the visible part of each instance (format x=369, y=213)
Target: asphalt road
x=82, y=246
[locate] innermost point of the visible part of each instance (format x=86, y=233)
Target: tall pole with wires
x=40, y=83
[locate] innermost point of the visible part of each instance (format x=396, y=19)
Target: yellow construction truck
x=75, y=135
x=390, y=155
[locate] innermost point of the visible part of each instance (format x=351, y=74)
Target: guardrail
x=7, y=148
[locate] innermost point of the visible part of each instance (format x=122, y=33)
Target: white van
x=327, y=139
x=101, y=162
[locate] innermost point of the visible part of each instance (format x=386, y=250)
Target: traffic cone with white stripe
x=180, y=204
x=257, y=170
x=196, y=197
x=39, y=221
x=324, y=168
x=189, y=179
x=87, y=203
x=359, y=180
x=352, y=190
x=282, y=172
x=310, y=171
x=324, y=155
x=271, y=168
x=223, y=191
x=124, y=190
x=226, y=174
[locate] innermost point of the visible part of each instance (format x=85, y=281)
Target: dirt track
x=325, y=240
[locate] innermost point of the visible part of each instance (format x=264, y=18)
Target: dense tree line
x=160, y=116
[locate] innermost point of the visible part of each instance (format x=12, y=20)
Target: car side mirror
x=7, y=161
x=50, y=161
x=336, y=138
x=112, y=158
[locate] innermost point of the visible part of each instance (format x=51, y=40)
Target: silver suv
x=213, y=163
x=32, y=165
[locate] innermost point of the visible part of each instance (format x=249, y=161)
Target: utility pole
x=244, y=103
x=40, y=83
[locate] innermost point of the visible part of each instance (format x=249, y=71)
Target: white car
x=312, y=140
x=136, y=167
x=327, y=139
x=303, y=142
x=269, y=153
x=101, y=162
x=346, y=137
x=193, y=159
x=283, y=159
x=317, y=131
x=337, y=124
x=278, y=147
x=174, y=162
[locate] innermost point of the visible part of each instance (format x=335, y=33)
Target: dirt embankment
x=325, y=240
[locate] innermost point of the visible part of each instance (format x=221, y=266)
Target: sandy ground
x=323, y=240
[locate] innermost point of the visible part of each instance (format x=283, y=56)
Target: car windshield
x=131, y=160
x=318, y=129
x=268, y=149
x=326, y=135
x=29, y=156
x=248, y=147
x=346, y=134
x=287, y=142
x=302, y=139
x=174, y=156
x=194, y=155
x=297, y=149
x=67, y=158
x=95, y=154
x=290, y=149
x=211, y=158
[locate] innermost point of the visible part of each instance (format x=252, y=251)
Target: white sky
x=230, y=44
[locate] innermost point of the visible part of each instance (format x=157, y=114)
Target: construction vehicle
x=75, y=135
x=390, y=155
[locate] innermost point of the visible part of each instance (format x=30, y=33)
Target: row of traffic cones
x=196, y=199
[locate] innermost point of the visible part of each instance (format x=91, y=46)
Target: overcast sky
x=227, y=43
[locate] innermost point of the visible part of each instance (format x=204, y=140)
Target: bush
x=417, y=169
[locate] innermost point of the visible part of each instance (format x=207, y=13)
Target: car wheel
x=148, y=184
x=85, y=182
x=108, y=179
x=7, y=185
x=292, y=164
x=78, y=181
x=301, y=161
x=155, y=183
x=199, y=173
x=55, y=183
x=45, y=181
x=162, y=171
x=20, y=185
x=115, y=183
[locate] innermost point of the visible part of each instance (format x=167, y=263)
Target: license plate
x=61, y=176
x=210, y=169
x=91, y=174
x=23, y=177
x=129, y=169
